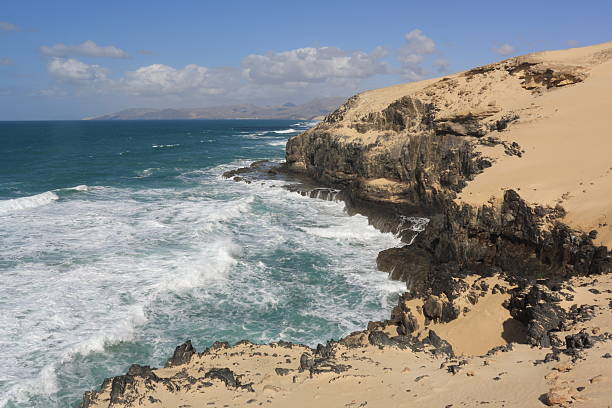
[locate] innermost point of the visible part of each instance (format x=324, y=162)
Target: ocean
x=121, y=240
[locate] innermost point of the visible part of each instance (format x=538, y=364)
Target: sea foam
x=23, y=203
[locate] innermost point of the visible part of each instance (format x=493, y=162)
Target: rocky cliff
x=416, y=147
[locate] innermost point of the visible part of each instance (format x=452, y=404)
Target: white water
x=98, y=268
x=38, y=200
x=278, y=143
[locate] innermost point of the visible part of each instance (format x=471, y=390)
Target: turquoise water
x=120, y=240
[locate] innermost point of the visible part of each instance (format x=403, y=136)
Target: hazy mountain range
x=306, y=111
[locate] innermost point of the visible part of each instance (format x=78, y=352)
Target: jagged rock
x=282, y=371
x=432, y=308
x=261, y=165
x=182, y=354
x=536, y=306
x=578, y=341
x=441, y=346
x=228, y=377
x=409, y=323
x=409, y=264
x=306, y=361
x=322, y=361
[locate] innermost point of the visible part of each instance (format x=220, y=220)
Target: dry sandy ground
x=568, y=148
x=391, y=377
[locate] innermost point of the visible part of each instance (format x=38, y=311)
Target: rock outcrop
x=414, y=147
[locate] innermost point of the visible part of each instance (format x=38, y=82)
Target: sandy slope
x=568, y=149
x=390, y=377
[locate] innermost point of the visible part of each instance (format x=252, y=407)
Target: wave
x=81, y=187
x=46, y=382
x=164, y=146
x=253, y=135
x=139, y=264
x=146, y=172
x=202, y=254
x=277, y=143
x=37, y=200
x=306, y=125
x=24, y=203
x=285, y=131
x=415, y=225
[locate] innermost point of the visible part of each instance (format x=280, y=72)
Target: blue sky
x=73, y=59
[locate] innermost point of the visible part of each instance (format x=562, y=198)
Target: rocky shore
x=509, y=285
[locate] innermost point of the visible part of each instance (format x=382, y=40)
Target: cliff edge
x=509, y=285
x=537, y=124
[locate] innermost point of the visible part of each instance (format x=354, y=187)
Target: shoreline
x=495, y=270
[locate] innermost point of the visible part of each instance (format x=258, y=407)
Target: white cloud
x=75, y=71
x=6, y=26
x=418, y=43
x=86, y=49
x=504, y=49
x=412, y=54
x=6, y=61
x=307, y=72
x=311, y=65
x=159, y=79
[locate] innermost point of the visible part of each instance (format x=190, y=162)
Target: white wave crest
x=286, y=131
x=23, y=203
x=146, y=172
x=164, y=146
x=277, y=143
x=81, y=187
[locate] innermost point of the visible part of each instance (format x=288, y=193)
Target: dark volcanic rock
x=408, y=264
x=578, y=341
x=182, y=354
x=536, y=306
x=228, y=377
x=441, y=346
x=323, y=360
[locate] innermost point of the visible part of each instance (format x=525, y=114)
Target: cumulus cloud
x=504, y=49
x=86, y=49
x=6, y=61
x=159, y=79
x=6, y=26
x=412, y=54
x=307, y=72
x=72, y=70
x=312, y=65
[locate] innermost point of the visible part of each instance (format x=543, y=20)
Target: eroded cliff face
x=415, y=143
x=414, y=147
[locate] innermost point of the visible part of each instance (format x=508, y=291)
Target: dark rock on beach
x=182, y=354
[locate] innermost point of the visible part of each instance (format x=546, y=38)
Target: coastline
x=496, y=259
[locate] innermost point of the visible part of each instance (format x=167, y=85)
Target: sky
x=67, y=59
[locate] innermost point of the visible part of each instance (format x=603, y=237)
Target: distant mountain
x=310, y=110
